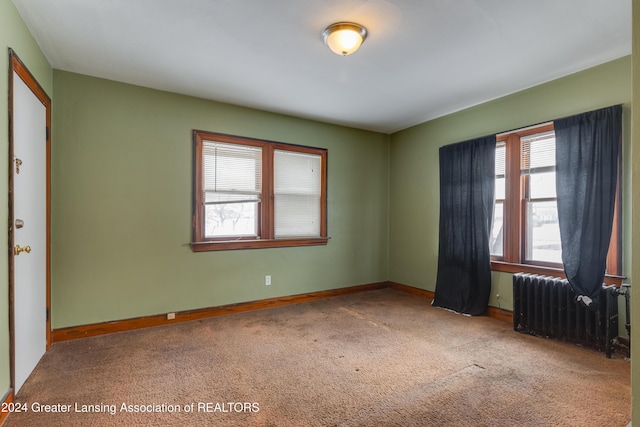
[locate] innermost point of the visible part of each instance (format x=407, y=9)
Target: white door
x=29, y=230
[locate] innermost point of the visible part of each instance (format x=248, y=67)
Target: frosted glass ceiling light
x=344, y=38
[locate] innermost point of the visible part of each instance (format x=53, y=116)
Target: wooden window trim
x=513, y=259
x=225, y=245
x=509, y=267
x=265, y=237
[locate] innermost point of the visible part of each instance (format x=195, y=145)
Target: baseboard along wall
x=4, y=410
x=85, y=331
x=497, y=313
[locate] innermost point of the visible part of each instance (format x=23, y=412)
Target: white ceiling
x=422, y=58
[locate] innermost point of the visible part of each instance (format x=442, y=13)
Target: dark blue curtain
x=587, y=157
x=467, y=185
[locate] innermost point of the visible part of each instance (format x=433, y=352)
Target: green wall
x=414, y=179
x=122, y=182
x=13, y=34
x=635, y=294
x=122, y=189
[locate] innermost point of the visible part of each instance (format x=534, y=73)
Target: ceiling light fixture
x=344, y=38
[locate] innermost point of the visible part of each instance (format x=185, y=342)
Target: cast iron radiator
x=546, y=306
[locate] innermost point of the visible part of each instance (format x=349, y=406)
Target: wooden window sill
x=509, y=267
x=227, y=245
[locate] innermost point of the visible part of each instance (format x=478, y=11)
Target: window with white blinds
x=251, y=193
x=297, y=184
x=232, y=189
x=525, y=235
x=496, y=239
x=538, y=168
x=525, y=228
x=538, y=151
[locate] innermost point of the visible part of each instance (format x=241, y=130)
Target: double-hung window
x=232, y=189
x=538, y=174
x=525, y=234
x=250, y=193
x=496, y=242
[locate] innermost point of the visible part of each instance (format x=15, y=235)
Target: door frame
x=17, y=66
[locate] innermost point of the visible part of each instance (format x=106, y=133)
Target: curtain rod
x=548, y=122
x=497, y=135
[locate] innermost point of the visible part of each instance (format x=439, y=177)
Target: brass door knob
x=18, y=250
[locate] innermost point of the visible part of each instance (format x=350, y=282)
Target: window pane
x=500, y=158
x=232, y=182
x=538, y=151
x=542, y=185
x=232, y=167
x=297, y=215
x=500, y=188
x=211, y=197
x=496, y=239
x=231, y=219
x=543, y=232
x=297, y=185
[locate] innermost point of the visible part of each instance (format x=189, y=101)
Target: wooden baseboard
x=500, y=314
x=84, y=331
x=8, y=399
x=422, y=293
x=497, y=313
x=95, y=329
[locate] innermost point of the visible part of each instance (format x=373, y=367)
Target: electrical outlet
x=171, y=316
x=267, y=280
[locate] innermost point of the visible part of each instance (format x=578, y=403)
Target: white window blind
x=232, y=186
x=500, y=171
x=297, y=186
x=538, y=151
x=500, y=159
x=232, y=168
x=538, y=160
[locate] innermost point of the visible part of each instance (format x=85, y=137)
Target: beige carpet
x=378, y=358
